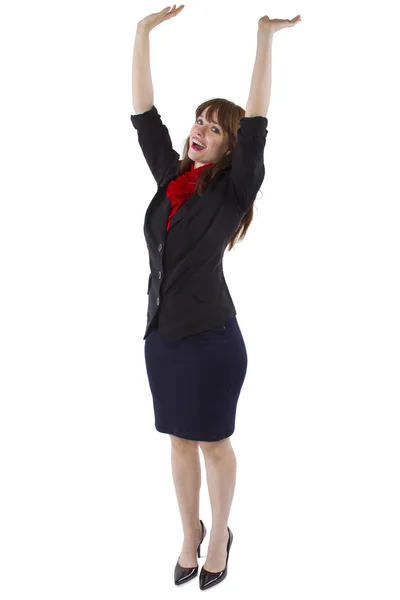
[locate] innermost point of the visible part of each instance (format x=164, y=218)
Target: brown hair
x=229, y=115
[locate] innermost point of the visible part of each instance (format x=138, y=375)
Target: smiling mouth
x=194, y=146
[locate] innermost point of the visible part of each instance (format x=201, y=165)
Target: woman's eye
x=213, y=126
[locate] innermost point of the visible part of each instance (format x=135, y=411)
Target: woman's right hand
x=156, y=18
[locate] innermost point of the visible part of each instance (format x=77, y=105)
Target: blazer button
x=160, y=247
x=158, y=301
x=159, y=274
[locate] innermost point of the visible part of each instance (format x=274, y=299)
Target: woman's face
x=212, y=136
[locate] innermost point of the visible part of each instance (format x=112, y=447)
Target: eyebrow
x=202, y=116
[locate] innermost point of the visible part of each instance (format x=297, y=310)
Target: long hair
x=229, y=115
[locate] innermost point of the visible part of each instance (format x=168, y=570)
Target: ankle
x=218, y=534
x=193, y=532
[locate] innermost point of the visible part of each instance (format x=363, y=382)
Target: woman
x=195, y=354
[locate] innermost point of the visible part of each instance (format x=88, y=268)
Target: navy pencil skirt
x=196, y=381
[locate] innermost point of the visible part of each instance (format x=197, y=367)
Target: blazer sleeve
x=248, y=170
x=156, y=145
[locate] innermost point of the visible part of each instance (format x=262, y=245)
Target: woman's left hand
x=272, y=25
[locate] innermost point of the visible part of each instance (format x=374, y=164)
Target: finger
x=172, y=13
x=176, y=10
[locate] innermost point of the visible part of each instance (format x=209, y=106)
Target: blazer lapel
x=182, y=210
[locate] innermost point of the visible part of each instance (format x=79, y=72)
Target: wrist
x=267, y=33
x=142, y=28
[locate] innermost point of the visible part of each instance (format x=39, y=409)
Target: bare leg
x=186, y=471
x=220, y=462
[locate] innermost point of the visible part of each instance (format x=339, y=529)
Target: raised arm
x=142, y=85
x=153, y=135
x=248, y=170
x=260, y=87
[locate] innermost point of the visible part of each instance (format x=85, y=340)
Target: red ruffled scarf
x=181, y=188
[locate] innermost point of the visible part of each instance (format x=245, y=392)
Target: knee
x=182, y=445
x=215, y=449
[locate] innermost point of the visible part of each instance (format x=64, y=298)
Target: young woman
x=195, y=354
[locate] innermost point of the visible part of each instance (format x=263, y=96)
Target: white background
x=87, y=504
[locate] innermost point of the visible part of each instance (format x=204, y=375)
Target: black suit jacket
x=187, y=289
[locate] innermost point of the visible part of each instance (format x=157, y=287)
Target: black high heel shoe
x=207, y=579
x=184, y=574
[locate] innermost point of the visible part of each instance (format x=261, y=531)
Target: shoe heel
x=204, y=535
x=184, y=574
x=208, y=578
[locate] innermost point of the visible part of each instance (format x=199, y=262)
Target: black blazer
x=187, y=289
